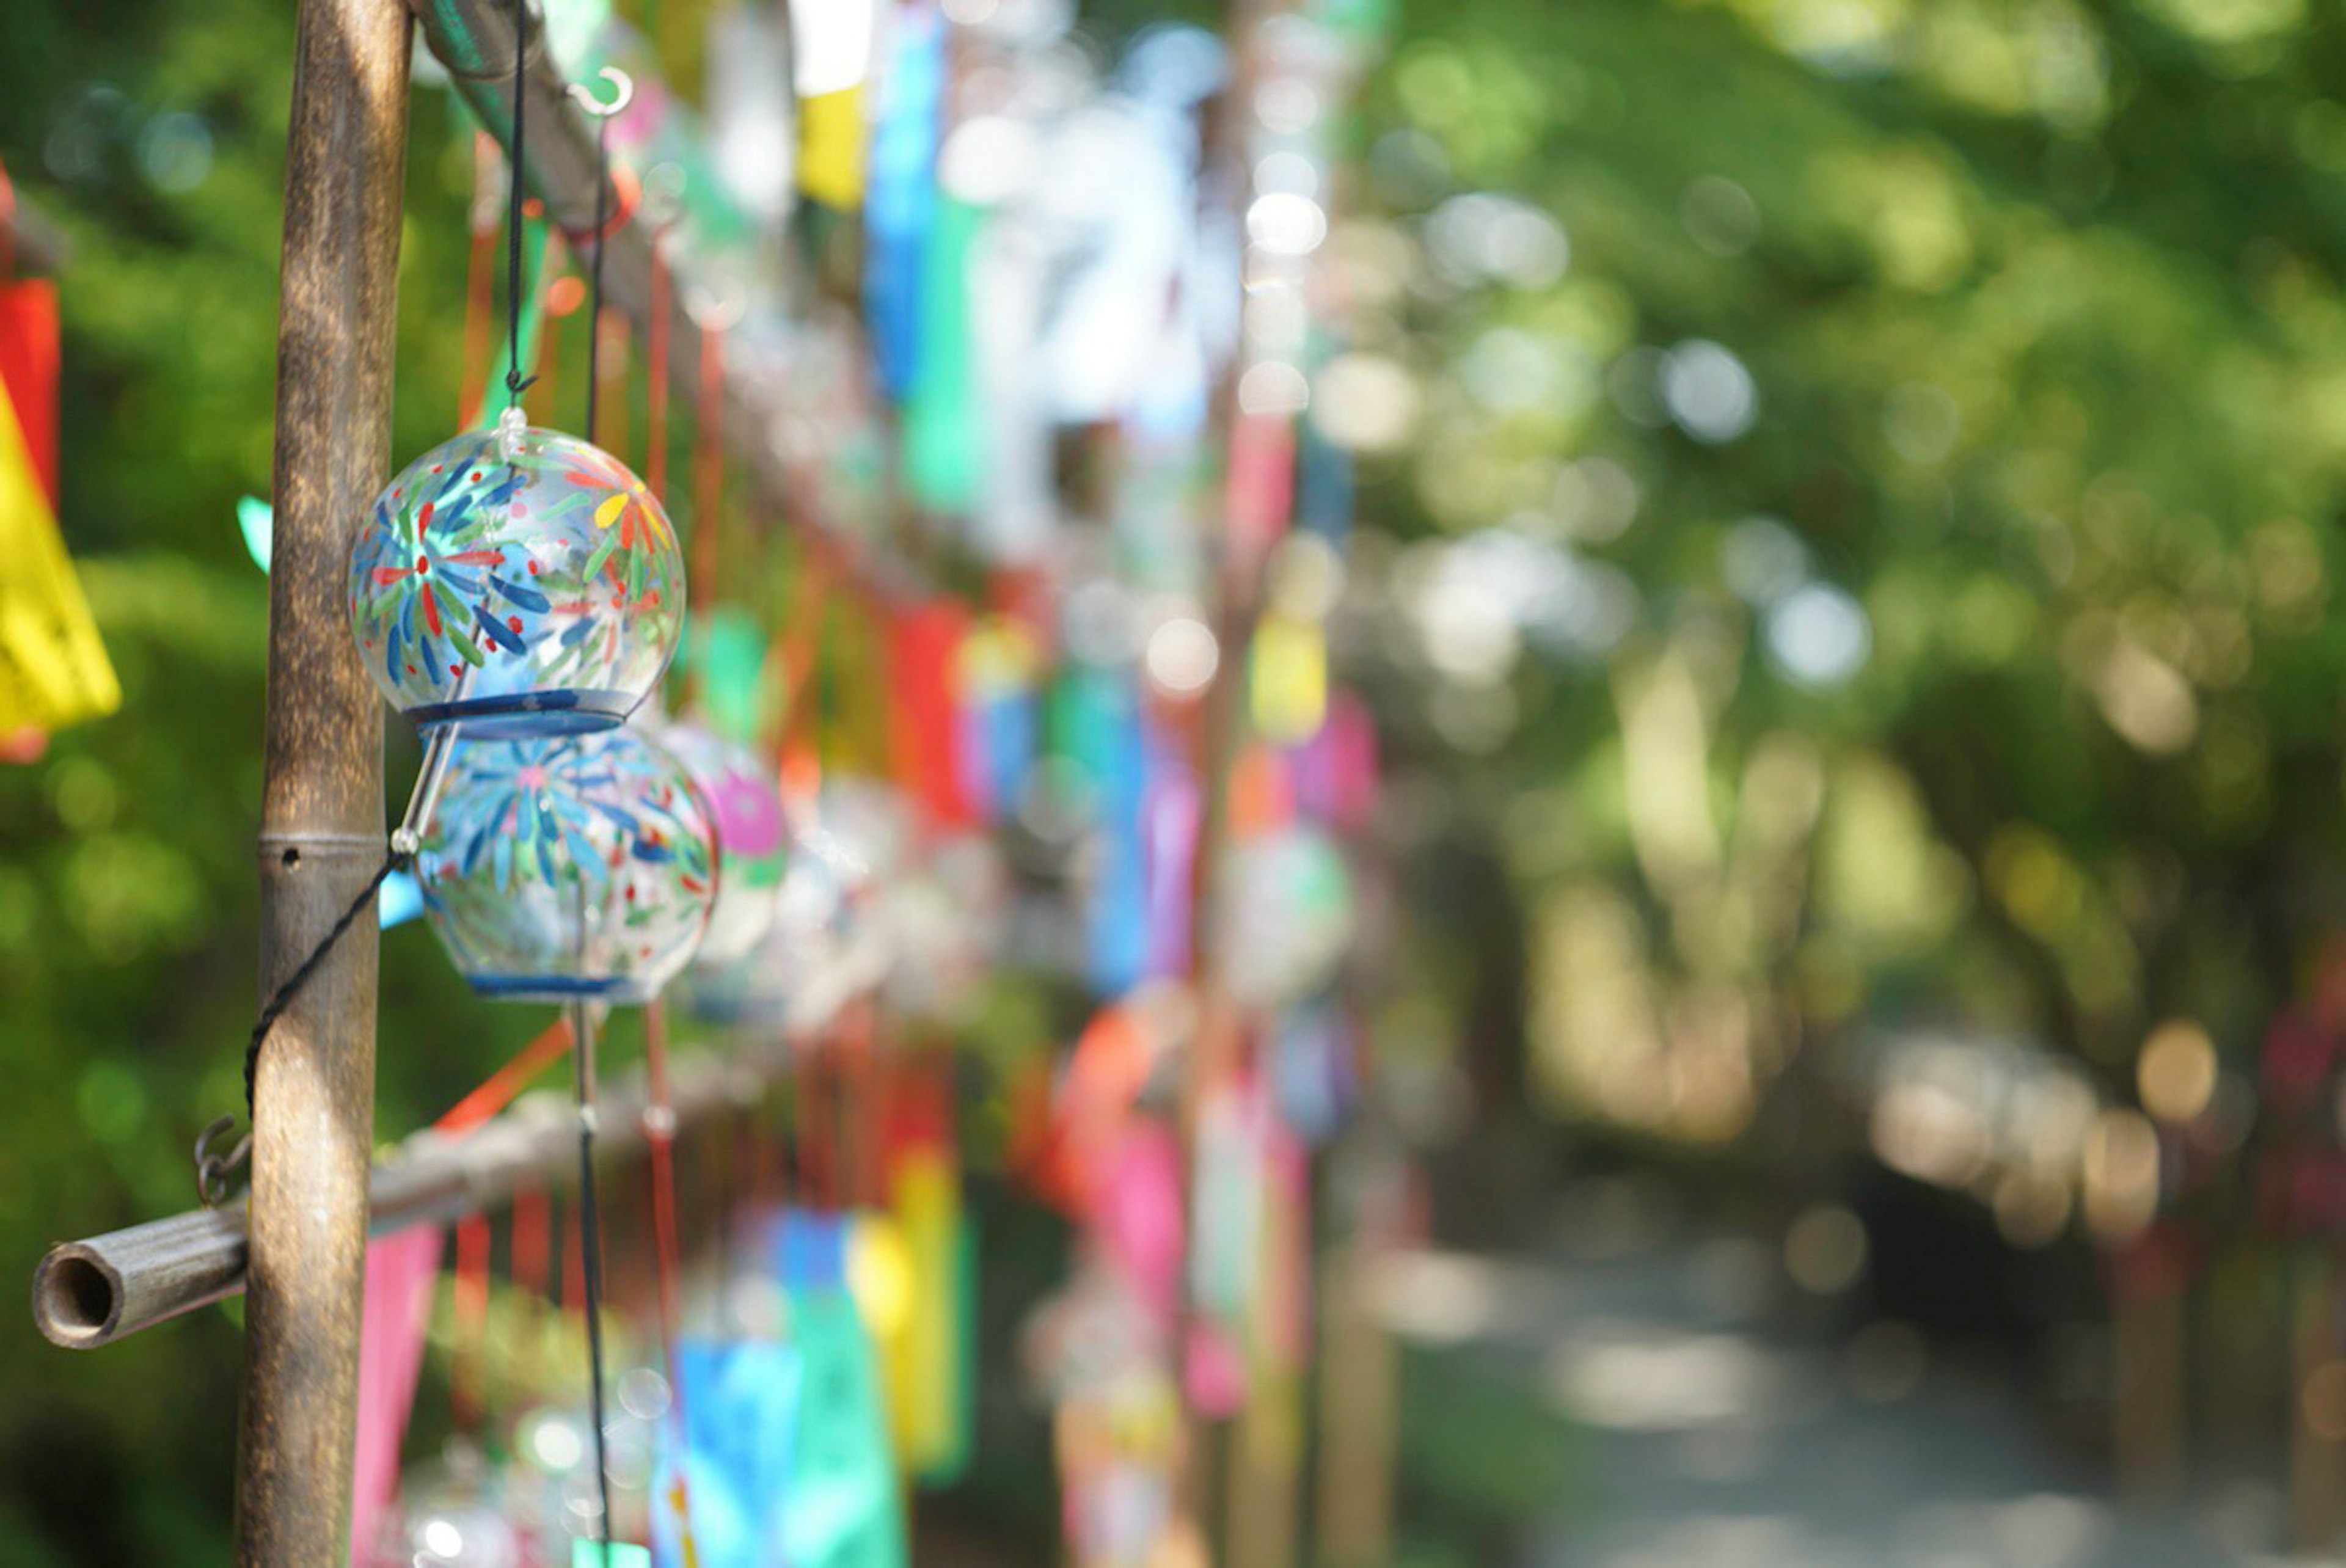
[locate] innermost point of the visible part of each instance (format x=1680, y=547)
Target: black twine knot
x=212, y=1170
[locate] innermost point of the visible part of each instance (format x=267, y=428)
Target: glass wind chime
x=518, y=593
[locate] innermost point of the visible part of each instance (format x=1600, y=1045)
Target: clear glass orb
x=798, y=970
x=1286, y=916
x=453, y=1510
x=568, y=867
x=752, y=839
x=871, y=823
x=863, y=829
x=947, y=913
x=517, y=583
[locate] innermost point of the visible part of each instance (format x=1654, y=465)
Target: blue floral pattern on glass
x=561, y=867
x=536, y=593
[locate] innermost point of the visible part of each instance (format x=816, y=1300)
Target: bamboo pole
x=2146, y=1406
x=1358, y=1401
x=1217, y=1048
x=95, y=1292
x=321, y=807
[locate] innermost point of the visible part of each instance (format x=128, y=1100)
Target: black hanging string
x=595, y=277
x=516, y=382
x=212, y=1170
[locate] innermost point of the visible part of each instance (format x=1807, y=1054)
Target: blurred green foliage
x=1474, y=1460
x=2036, y=305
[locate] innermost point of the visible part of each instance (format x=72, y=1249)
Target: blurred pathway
x=1707, y=1439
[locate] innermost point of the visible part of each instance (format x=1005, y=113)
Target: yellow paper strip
x=52, y=668
x=831, y=138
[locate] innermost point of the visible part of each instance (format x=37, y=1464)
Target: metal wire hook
x=663, y=194
x=622, y=84
x=212, y=1170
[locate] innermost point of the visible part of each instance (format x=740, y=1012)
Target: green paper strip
x=951, y=1465
x=727, y=648
x=944, y=436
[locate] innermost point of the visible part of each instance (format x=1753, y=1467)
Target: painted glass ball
x=752, y=838
x=563, y=867
x=517, y=583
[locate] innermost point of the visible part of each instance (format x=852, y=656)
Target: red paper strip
x=28, y=368
x=926, y=738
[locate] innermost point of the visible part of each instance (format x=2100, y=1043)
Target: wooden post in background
x=2148, y=1394
x=2317, y=1406
x=1359, y=1408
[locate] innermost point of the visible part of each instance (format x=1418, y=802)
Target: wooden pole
x=321, y=807
x=1217, y=1047
x=1359, y=1411
x=2316, y=1434
x=2146, y=1406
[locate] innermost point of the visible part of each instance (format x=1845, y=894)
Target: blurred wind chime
x=928, y=260
x=1194, y=714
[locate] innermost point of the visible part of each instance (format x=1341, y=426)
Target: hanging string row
x=594, y=280
x=656, y=370
x=469, y=1364
x=481, y=222
x=659, y=1137
x=708, y=468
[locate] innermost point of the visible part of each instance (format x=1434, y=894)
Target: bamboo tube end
x=76, y=1297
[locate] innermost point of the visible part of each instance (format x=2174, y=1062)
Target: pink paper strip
x=1139, y=1215
x=400, y=1273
